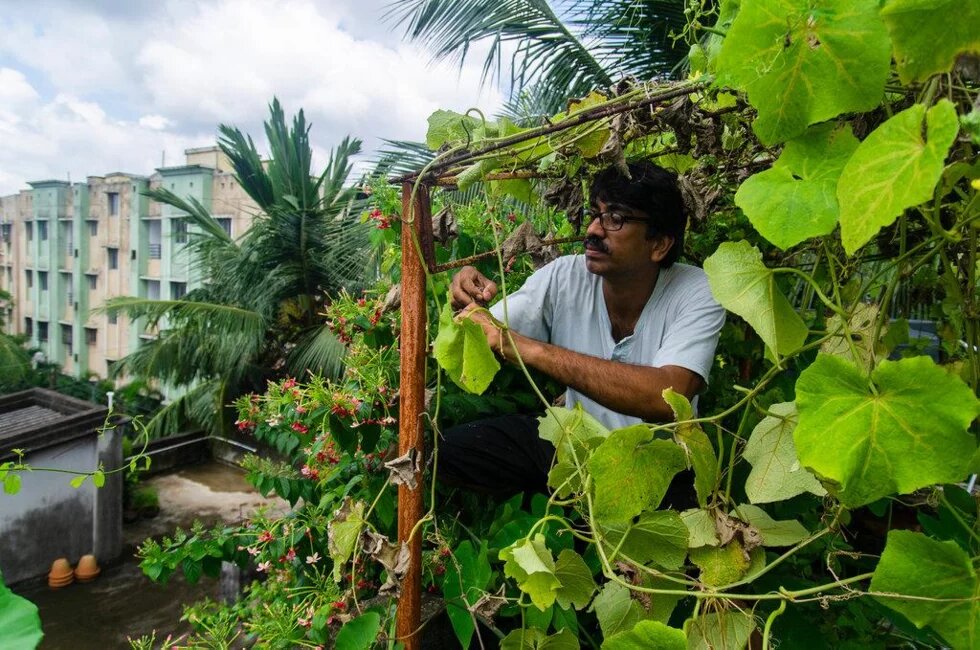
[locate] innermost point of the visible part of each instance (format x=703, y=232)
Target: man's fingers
x=489, y=290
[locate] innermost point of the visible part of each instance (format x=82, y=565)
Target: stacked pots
x=61, y=574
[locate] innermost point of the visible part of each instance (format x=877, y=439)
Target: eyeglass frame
x=603, y=216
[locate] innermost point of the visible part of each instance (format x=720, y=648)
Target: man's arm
x=622, y=387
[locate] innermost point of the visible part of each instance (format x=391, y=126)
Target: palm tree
x=257, y=316
x=560, y=49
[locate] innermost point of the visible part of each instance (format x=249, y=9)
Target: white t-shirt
x=562, y=304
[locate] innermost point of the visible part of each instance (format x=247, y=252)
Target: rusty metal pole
x=411, y=405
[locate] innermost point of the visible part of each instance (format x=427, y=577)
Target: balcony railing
x=155, y=250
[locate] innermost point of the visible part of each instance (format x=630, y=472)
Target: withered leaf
x=444, y=225
x=405, y=469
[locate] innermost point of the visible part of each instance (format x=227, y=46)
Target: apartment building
x=65, y=248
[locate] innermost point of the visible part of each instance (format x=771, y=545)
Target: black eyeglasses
x=612, y=221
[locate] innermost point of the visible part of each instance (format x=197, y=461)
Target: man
x=617, y=326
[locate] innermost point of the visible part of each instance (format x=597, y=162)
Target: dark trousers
x=502, y=455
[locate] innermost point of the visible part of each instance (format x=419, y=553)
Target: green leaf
x=701, y=529
x=359, y=633
x=467, y=575
x=343, y=434
x=535, y=639
x=616, y=609
x=631, y=472
x=914, y=565
x=531, y=565
x=589, y=138
x=776, y=473
x=11, y=483
x=461, y=349
x=796, y=198
x=697, y=447
x=645, y=635
x=742, y=284
x=569, y=429
x=78, y=480
x=342, y=533
x=928, y=36
x=98, y=478
x=659, y=536
x=858, y=338
x=774, y=533
x=577, y=585
x=20, y=624
x=895, y=168
x=728, y=629
x=803, y=62
x=903, y=430
x=450, y=128
x=723, y=565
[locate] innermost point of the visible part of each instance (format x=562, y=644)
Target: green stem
x=769, y=621
x=971, y=530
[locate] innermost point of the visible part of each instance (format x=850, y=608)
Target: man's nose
x=595, y=228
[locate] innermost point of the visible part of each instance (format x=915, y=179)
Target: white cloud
x=90, y=89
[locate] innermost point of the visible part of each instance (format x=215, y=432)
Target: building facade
x=65, y=248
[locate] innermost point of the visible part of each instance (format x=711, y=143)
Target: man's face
x=625, y=252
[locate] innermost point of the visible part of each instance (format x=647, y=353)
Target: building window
x=113, y=258
x=113, y=198
x=29, y=327
x=178, y=290
x=66, y=339
x=225, y=224
x=42, y=279
x=93, y=282
x=154, y=237
x=93, y=228
x=42, y=331
x=29, y=228
x=152, y=289
x=5, y=232
x=113, y=318
x=179, y=227
x=67, y=236
x=29, y=278
x=91, y=336
x=42, y=230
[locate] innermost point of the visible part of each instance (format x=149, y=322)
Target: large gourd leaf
x=776, y=473
x=660, y=537
x=467, y=576
x=915, y=565
x=910, y=431
x=696, y=445
x=451, y=128
x=534, y=639
x=645, y=635
x=531, y=565
x=577, y=585
x=784, y=532
x=359, y=633
x=796, y=198
x=928, y=35
x=461, y=349
x=631, y=472
x=20, y=625
x=896, y=167
x=728, y=629
x=616, y=609
x=742, y=284
x=805, y=61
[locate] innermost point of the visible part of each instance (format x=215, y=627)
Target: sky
x=89, y=87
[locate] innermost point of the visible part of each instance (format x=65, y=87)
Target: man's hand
x=470, y=286
x=493, y=329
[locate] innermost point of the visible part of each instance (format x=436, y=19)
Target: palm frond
x=198, y=407
x=336, y=197
x=547, y=50
x=317, y=351
x=217, y=315
x=397, y=157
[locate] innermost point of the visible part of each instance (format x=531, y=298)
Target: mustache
x=595, y=243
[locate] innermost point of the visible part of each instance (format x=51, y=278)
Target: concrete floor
x=121, y=602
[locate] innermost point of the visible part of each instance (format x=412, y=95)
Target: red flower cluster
x=298, y=427
x=379, y=217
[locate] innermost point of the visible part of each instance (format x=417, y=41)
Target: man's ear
x=659, y=247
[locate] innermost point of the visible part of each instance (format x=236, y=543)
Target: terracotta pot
x=61, y=574
x=87, y=568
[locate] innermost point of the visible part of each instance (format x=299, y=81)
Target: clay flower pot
x=61, y=574
x=87, y=568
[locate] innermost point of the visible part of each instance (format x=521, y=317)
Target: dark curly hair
x=652, y=190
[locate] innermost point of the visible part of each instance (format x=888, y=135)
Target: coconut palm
x=258, y=314
x=559, y=49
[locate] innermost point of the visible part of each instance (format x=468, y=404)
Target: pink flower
x=313, y=559
x=289, y=383
x=252, y=550
x=291, y=554
x=264, y=566
x=266, y=536
x=301, y=409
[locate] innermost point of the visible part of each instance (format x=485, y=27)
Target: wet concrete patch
x=122, y=601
